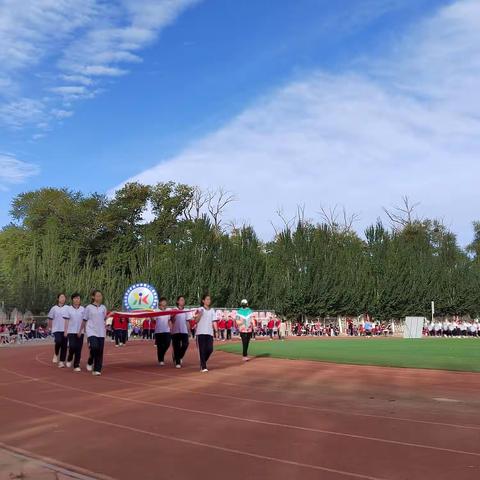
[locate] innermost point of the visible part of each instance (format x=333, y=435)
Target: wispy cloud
x=14, y=171
x=18, y=112
x=73, y=45
x=404, y=124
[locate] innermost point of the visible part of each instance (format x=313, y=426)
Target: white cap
x=244, y=301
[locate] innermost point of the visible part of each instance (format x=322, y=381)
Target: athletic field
x=460, y=354
x=267, y=419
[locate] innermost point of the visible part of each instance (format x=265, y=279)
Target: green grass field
x=432, y=353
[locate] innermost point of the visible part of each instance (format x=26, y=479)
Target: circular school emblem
x=140, y=296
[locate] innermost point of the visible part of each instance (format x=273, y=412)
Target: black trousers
x=245, y=336
x=162, y=341
x=120, y=336
x=180, y=345
x=75, y=345
x=145, y=333
x=193, y=332
x=205, y=349
x=229, y=333
x=96, y=345
x=61, y=343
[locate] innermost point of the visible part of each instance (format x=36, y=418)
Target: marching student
x=120, y=331
x=245, y=325
x=94, y=316
x=56, y=324
x=146, y=328
x=75, y=328
x=162, y=333
x=180, y=323
x=206, y=326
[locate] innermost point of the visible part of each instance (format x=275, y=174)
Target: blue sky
x=351, y=103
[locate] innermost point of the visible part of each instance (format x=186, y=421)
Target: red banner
x=145, y=313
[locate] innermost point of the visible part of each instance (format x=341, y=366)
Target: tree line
x=174, y=236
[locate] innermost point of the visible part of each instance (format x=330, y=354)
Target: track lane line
x=194, y=442
x=263, y=422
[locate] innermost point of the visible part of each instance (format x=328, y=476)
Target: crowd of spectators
x=452, y=328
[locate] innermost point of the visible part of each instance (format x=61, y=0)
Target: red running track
x=266, y=419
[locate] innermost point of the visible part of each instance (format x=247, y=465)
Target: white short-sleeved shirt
x=205, y=324
x=180, y=322
x=95, y=318
x=75, y=318
x=57, y=315
x=162, y=325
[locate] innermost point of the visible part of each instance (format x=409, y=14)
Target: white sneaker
x=96, y=374
x=89, y=367
x=120, y=344
x=162, y=364
x=69, y=364
x=77, y=369
x=178, y=366
x=55, y=358
x=116, y=346
x=61, y=365
x=246, y=359
x=205, y=370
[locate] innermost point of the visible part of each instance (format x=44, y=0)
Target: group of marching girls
x=69, y=325
x=202, y=323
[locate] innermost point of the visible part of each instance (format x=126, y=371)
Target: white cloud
x=79, y=42
x=59, y=113
x=14, y=171
x=20, y=111
x=408, y=124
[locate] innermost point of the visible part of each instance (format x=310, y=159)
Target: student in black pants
x=246, y=325
x=75, y=329
x=57, y=318
x=180, y=333
x=94, y=316
x=163, y=337
x=206, y=326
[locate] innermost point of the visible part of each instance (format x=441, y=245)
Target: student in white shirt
x=56, y=324
x=94, y=316
x=180, y=323
x=206, y=323
x=463, y=328
x=473, y=329
x=75, y=328
x=163, y=336
x=451, y=328
x=445, y=326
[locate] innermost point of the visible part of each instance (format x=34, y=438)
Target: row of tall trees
x=174, y=236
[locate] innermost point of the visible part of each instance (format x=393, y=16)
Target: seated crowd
x=456, y=327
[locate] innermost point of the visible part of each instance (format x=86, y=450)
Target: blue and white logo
x=140, y=296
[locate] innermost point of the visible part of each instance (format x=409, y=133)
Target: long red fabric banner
x=146, y=313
